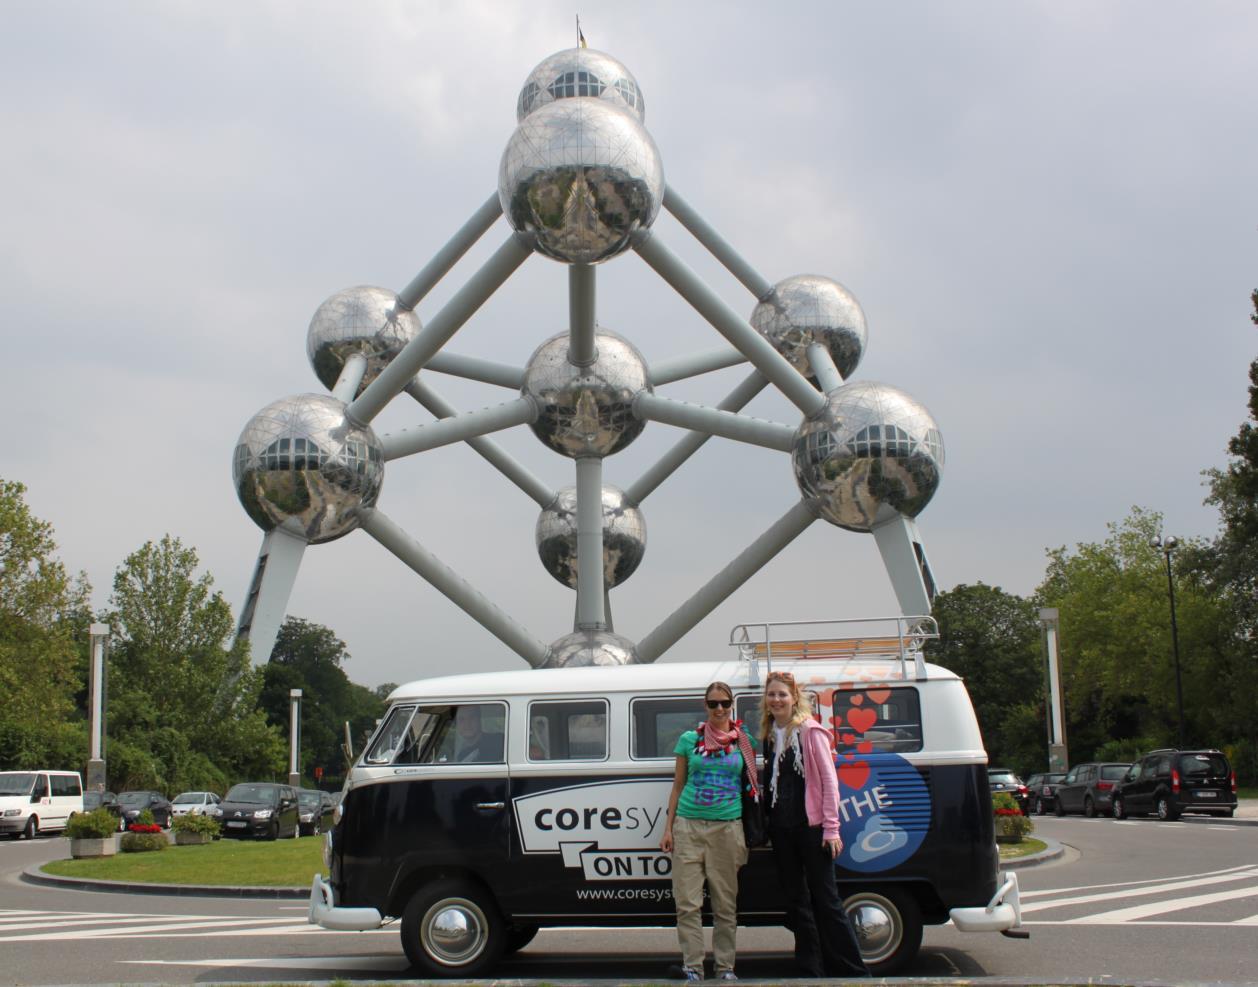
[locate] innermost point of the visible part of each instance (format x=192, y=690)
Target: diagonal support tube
x=716, y=244
x=590, y=591
x=351, y=376
x=668, y=464
x=474, y=368
x=682, y=620
x=679, y=368
x=394, y=378
x=487, y=448
x=728, y=323
x=823, y=368
x=421, y=438
x=454, y=587
x=449, y=255
x=654, y=408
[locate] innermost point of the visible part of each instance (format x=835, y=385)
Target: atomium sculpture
x=581, y=182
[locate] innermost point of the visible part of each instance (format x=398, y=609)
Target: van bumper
x=323, y=911
x=1003, y=912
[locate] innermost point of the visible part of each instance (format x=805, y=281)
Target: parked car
x=1088, y=787
x=100, y=800
x=1004, y=780
x=196, y=804
x=1172, y=781
x=314, y=811
x=131, y=804
x=1043, y=788
x=259, y=808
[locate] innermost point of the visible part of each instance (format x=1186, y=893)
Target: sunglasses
x=723, y=703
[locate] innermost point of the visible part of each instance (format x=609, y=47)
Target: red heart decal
x=854, y=775
x=848, y=738
x=879, y=695
x=837, y=720
x=865, y=746
x=857, y=700
x=862, y=719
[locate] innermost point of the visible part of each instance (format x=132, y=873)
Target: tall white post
x=294, y=737
x=1057, y=754
x=99, y=637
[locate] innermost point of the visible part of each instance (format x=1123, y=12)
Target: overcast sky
x=1047, y=211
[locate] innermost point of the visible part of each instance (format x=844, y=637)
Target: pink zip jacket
x=821, y=782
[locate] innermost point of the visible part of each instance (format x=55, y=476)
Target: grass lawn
x=1028, y=846
x=1247, y=793
x=278, y=864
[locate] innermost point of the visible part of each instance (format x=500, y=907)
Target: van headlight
x=12, y=812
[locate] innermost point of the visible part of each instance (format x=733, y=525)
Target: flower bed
x=1011, y=824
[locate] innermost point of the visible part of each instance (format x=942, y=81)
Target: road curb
x=1052, y=851
x=33, y=875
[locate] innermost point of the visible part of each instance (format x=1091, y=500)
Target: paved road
x=1140, y=900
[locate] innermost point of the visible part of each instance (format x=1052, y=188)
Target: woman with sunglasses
x=704, y=831
x=802, y=808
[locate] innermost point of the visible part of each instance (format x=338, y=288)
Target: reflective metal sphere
x=809, y=309
x=582, y=648
x=586, y=411
x=300, y=464
x=870, y=452
x=624, y=537
x=362, y=320
x=580, y=72
x=580, y=177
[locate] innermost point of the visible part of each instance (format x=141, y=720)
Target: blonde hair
x=801, y=705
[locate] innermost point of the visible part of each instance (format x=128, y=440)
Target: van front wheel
x=888, y=927
x=452, y=929
x=32, y=828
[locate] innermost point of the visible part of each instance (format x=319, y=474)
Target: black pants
x=825, y=945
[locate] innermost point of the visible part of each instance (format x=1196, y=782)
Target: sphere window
x=580, y=83
x=629, y=92
x=882, y=440
x=528, y=99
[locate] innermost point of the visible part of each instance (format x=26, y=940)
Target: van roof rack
x=875, y=639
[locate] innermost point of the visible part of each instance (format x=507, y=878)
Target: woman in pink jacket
x=803, y=814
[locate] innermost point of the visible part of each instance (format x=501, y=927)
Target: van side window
x=65, y=785
x=389, y=736
x=895, y=725
x=568, y=731
x=657, y=723
x=41, y=787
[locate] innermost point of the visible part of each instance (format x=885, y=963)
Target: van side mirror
x=35, y=797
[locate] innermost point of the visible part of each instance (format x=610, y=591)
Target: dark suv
x=1087, y=787
x=1043, y=789
x=260, y=809
x=1171, y=781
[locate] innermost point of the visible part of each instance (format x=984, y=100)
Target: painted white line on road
x=170, y=928
x=1132, y=884
x=1136, y=912
x=1159, y=924
x=395, y=964
x=1179, y=885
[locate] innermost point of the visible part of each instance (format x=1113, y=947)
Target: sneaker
x=686, y=974
x=727, y=975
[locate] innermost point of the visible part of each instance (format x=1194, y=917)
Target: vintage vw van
x=488, y=806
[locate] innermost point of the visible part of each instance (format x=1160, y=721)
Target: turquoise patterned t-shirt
x=713, y=784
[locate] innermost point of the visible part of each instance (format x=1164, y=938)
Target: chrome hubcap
x=454, y=931
x=877, y=924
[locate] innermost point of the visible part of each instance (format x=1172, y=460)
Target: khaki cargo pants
x=713, y=849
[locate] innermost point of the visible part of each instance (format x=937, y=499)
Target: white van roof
x=661, y=677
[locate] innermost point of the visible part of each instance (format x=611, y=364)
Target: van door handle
x=488, y=806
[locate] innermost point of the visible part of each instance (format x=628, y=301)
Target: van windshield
x=1199, y=765
x=16, y=782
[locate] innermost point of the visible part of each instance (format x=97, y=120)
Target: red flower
x=144, y=828
x=1008, y=812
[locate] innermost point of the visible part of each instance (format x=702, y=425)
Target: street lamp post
x=1166, y=547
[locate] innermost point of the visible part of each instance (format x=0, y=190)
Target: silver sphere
x=586, y=411
x=580, y=72
x=580, y=177
x=301, y=465
x=869, y=453
x=809, y=309
x=624, y=537
x=584, y=648
x=362, y=320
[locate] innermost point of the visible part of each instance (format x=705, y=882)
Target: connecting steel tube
x=590, y=596
x=487, y=448
x=716, y=244
x=754, y=557
x=474, y=368
x=458, y=428
x=351, y=376
x=449, y=255
x=668, y=464
x=679, y=368
x=394, y=378
x=454, y=587
x=728, y=323
x=582, y=350
x=823, y=368
x=771, y=435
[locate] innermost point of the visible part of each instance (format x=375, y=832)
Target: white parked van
x=35, y=800
x=488, y=806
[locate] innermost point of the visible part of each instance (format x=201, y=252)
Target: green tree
x=1118, y=672
x=183, y=700
x=309, y=656
x=44, y=615
x=992, y=640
